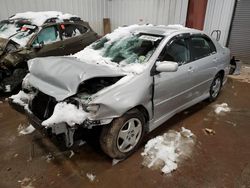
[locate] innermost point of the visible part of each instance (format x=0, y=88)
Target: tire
x=215, y=87
x=123, y=136
x=15, y=80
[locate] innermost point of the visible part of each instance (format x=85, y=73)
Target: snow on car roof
x=38, y=18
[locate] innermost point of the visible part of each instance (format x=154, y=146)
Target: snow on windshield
x=18, y=31
x=123, y=49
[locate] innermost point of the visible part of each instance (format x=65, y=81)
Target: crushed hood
x=60, y=77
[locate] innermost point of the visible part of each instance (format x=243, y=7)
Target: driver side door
x=48, y=42
x=172, y=89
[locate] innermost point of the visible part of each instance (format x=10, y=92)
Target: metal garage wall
x=218, y=17
x=121, y=12
x=89, y=10
x=126, y=12
x=239, y=39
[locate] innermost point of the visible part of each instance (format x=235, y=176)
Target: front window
x=132, y=49
x=47, y=35
x=177, y=51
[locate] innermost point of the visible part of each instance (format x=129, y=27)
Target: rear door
x=49, y=41
x=75, y=37
x=203, y=63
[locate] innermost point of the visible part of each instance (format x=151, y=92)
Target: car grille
x=42, y=105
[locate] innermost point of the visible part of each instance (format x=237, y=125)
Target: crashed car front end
x=62, y=107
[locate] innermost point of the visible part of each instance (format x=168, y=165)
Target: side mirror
x=38, y=46
x=166, y=66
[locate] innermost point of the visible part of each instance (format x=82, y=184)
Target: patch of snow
x=164, y=152
x=22, y=98
x=38, y=18
x=25, y=130
x=177, y=26
x=219, y=108
x=65, y=112
x=91, y=176
x=121, y=32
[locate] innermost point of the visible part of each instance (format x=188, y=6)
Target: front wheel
x=123, y=136
x=215, y=87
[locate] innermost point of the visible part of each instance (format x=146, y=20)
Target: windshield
x=133, y=49
x=17, y=30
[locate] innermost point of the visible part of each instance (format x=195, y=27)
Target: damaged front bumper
x=58, y=128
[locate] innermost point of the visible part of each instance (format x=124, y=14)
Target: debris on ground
x=208, y=131
x=231, y=123
x=219, y=108
x=91, y=177
x=71, y=154
x=166, y=151
x=49, y=157
x=26, y=183
x=115, y=161
x=22, y=130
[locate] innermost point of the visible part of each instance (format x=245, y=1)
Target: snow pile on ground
x=219, y=108
x=91, y=177
x=66, y=112
x=164, y=152
x=22, y=130
x=22, y=98
x=38, y=18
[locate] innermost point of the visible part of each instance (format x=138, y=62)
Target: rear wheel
x=215, y=87
x=123, y=136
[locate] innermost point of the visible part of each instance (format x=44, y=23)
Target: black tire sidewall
x=109, y=135
x=211, y=98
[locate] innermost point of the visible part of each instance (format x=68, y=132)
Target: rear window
x=72, y=30
x=201, y=47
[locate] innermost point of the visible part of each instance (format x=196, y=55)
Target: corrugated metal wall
x=121, y=12
x=126, y=12
x=239, y=39
x=218, y=17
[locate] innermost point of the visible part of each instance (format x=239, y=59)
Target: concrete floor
x=220, y=160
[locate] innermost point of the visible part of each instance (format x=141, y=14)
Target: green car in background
x=37, y=34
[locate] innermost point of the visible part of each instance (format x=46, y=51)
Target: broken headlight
x=93, y=108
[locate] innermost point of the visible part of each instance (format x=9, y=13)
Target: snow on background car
x=23, y=34
x=166, y=151
x=38, y=18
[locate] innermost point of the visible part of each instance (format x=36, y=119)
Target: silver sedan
x=129, y=82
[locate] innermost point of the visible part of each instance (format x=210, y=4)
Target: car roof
x=164, y=30
x=40, y=18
